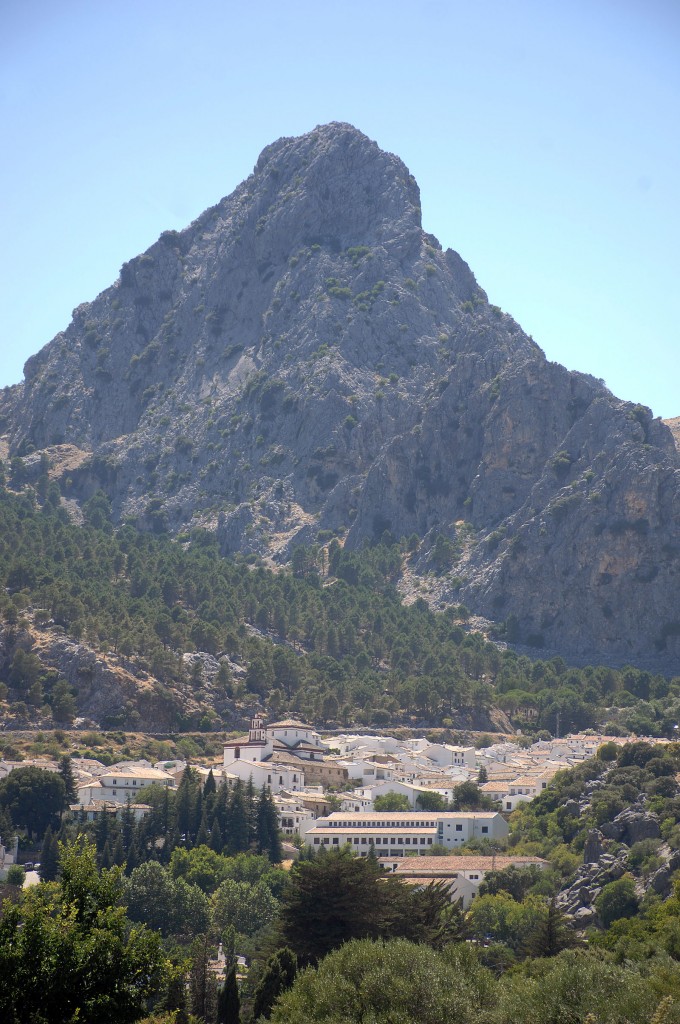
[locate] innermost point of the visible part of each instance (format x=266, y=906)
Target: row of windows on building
x=459, y=828
x=378, y=840
x=380, y=824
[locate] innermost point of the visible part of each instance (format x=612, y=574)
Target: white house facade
x=396, y=834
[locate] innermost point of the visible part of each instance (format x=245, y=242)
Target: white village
x=380, y=795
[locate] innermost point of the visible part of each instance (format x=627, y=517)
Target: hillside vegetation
x=329, y=639
x=304, y=361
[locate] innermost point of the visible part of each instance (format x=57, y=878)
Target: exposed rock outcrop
x=304, y=357
x=113, y=690
x=632, y=825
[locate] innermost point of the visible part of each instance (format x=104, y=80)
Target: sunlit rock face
x=304, y=358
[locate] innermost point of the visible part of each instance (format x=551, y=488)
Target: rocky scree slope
x=304, y=358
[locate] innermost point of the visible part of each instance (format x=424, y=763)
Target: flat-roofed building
x=395, y=834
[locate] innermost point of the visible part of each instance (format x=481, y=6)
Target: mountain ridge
x=304, y=362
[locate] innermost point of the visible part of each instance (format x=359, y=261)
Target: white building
x=463, y=874
x=264, y=742
x=8, y=857
x=272, y=776
x=408, y=789
x=396, y=834
x=292, y=814
x=444, y=754
x=121, y=781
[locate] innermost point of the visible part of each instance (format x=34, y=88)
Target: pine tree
x=228, y=1000
x=49, y=857
x=552, y=934
x=482, y=776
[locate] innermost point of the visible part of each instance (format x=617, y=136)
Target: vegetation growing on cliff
x=329, y=640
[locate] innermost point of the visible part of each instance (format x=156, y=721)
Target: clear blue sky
x=545, y=137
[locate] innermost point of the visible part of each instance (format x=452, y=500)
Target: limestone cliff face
x=303, y=357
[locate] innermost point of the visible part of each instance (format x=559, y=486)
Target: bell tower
x=257, y=733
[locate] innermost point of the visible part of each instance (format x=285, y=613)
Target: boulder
x=592, y=850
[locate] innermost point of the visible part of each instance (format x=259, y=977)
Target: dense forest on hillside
x=328, y=639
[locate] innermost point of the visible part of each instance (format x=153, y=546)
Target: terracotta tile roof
x=444, y=866
x=290, y=723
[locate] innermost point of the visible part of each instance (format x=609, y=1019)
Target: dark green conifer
x=127, y=824
x=216, y=840
x=106, y=859
x=238, y=835
x=210, y=788
x=202, y=835
x=185, y=801
x=197, y=814
x=66, y=772
x=49, y=857
x=228, y=1000
x=268, y=838
x=133, y=859
x=101, y=830
x=278, y=975
x=551, y=935
x=118, y=855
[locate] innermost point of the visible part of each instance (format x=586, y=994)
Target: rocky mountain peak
x=335, y=187
x=304, y=362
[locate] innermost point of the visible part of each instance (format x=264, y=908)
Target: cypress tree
x=106, y=860
x=185, y=800
x=202, y=836
x=49, y=857
x=66, y=772
x=238, y=837
x=268, y=838
x=228, y=1000
x=101, y=831
x=551, y=935
x=251, y=810
x=197, y=814
x=220, y=809
x=127, y=824
x=262, y=823
x=278, y=975
x=118, y=852
x=210, y=789
x=132, y=860
x=216, y=840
